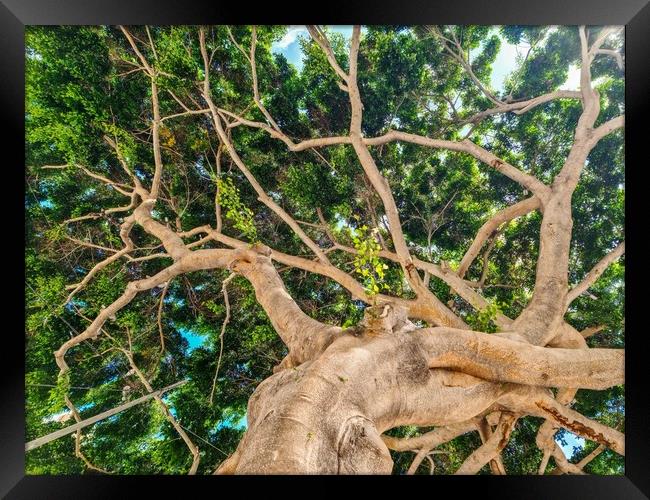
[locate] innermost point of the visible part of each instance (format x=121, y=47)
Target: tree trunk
x=326, y=416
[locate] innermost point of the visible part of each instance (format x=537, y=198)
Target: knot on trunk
x=385, y=319
x=250, y=255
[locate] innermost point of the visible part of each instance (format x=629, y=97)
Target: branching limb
x=431, y=439
x=119, y=187
x=605, y=129
x=571, y=339
x=425, y=444
x=563, y=465
x=507, y=214
x=485, y=432
x=139, y=189
x=613, y=53
x=587, y=460
x=420, y=456
x=593, y=275
x=262, y=196
x=113, y=210
x=77, y=438
x=521, y=107
x=125, y=229
x=88, y=244
x=157, y=120
x=486, y=259
x=201, y=259
x=457, y=54
x=318, y=35
x=420, y=309
x=492, y=447
x=256, y=92
x=539, y=403
x=463, y=287
x=379, y=182
x=277, y=134
x=592, y=330
x=545, y=312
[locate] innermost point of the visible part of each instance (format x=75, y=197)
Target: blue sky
x=193, y=339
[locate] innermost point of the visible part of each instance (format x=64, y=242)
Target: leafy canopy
x=83, y=91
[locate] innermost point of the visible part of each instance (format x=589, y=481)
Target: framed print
x=390, y=245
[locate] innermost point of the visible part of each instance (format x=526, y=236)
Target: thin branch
x=592, y=330
x=457, y=54
x=318, y=35
x=488, y=228
x=593, y=275
x=159, y=317
x=194, y=450
x=262, y=196
x=125, y=229
x=224, y=290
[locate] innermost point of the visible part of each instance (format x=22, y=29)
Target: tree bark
x=326, y=416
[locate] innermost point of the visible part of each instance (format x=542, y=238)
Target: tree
x=384, y=255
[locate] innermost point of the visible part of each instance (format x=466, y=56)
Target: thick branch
x=491, y=357
x=431, y=439
x=541, y=404
x=462, y=287
x=546, y=309
x=485, y=432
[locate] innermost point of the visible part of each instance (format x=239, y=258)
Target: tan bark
x=467, y=146
x=491, y=448
x=298, y=419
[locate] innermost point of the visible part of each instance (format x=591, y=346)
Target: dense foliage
x=87, y=105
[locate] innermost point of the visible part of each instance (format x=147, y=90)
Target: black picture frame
x=634, y=14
